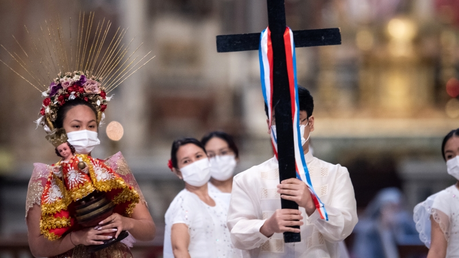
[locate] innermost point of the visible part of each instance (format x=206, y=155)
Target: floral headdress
x=70, y=86
x=97, y=68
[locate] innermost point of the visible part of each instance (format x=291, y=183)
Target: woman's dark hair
x=454, y=132
x=224, y=136
x=72, y=149
x=62, y=112
x=180, y=142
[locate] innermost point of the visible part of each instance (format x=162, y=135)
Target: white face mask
x=452, y=166
x=197, y=173
x=84, y=141
x=222, y=167
x=302, y=127
x=303, y=141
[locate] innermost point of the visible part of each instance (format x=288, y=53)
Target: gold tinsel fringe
x=82, y=191
x=50, y=222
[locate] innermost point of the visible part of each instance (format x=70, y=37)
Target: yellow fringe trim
x=82, y=191
x=58, y=205
x=50, y=222
x=127, y=195
x=49, y=235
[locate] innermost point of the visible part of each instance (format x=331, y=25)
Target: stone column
x=129, y=100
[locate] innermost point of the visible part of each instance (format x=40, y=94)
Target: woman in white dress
x=195, y=222
x=437, y=218
x=224, y=155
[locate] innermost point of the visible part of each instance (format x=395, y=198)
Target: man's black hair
x=306, y=101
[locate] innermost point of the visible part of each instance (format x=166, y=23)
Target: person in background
x=224, y=155
x=384, y=225
x=195, y=222
x=436, y=218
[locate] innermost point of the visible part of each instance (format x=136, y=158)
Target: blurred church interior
x=384, y=98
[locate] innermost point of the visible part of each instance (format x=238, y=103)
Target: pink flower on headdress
x=66, y=82
x=92, y=86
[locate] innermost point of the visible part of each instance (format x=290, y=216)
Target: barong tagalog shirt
x=255, y=198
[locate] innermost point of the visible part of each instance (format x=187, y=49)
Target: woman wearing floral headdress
x=53, y=229
x=63, y=199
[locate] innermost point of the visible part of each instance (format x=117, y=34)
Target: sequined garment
x=209, y=235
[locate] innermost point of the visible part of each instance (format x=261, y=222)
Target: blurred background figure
x=385, y=225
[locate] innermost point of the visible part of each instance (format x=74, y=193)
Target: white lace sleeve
x=436, y=206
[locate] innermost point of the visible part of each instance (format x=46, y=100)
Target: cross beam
x=281, y=95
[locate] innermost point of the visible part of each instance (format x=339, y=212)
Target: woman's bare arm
x=39, y=245
x=438, y=241
x=180, y=239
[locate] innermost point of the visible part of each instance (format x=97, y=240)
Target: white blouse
x=444, y=208
x=209, y=235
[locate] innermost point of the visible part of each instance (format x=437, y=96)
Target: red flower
x=103, y=107
x=169, y=164
x=86, y=99
x=42, y=111
x=46, y=102
x=81, y=90
x=71, y=89
x=66, y=96
x=103, y=94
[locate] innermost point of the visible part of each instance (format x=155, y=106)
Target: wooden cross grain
x=281, y=95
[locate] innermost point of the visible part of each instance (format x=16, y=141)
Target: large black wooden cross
x=281, y=97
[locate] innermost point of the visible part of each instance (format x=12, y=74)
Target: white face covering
x=222, y=167
x=303, y=141
x=84, y=141
x=197, y=173
x=302, y=127
x=452, y=166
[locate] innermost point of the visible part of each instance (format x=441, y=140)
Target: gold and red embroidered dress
x=69, y=183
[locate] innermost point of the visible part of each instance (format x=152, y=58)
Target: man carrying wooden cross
x=317, y=198
x=255, y=217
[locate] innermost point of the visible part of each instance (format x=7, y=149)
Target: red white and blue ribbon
x=266, y=73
